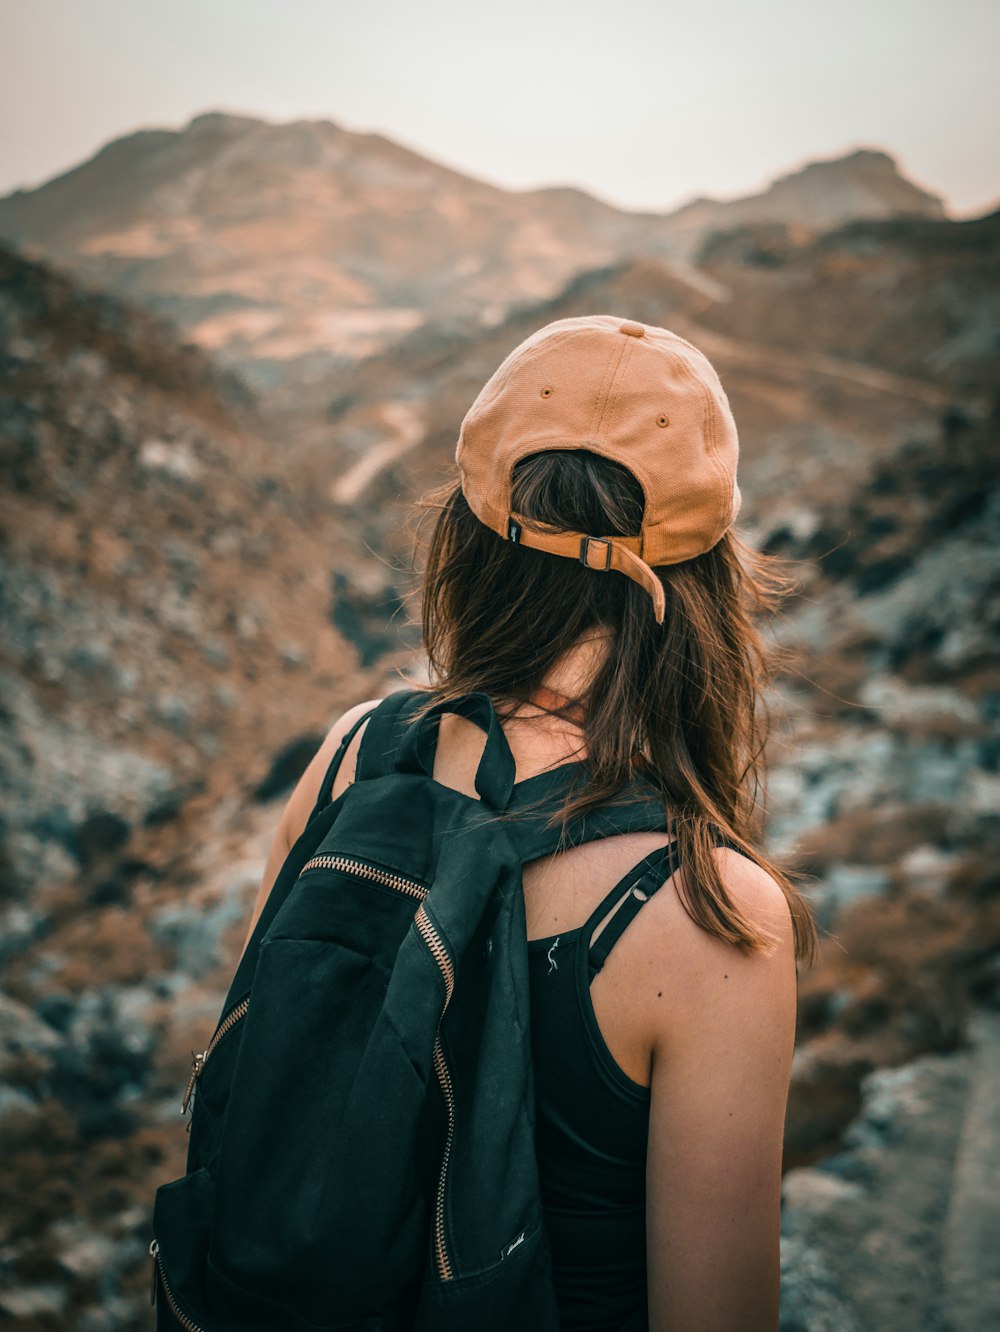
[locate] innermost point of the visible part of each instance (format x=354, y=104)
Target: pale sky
x=644, y=103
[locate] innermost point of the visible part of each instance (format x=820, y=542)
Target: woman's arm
x=722, y=1055
x=301, y=801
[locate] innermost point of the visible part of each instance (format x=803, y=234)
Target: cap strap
x=620, y=553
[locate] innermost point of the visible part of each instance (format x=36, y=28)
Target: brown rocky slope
x=159, y=573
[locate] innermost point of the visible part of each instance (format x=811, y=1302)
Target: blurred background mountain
x=232, y=355
x=290, y=250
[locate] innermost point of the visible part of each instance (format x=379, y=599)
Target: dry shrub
x=106, y=947
x=893, y=983
x=879, y=835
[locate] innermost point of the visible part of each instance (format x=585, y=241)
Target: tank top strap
x=636, y=888
x=326, y=786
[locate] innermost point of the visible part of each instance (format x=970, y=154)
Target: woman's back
x=562, y=890
x=590, y=1055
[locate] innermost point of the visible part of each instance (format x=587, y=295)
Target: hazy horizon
x=717, y=103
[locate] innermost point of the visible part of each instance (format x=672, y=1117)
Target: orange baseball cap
x=635, y=393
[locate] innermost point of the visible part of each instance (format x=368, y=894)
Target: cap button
x=632, y=329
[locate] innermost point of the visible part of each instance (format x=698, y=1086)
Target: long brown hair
x=679, y=701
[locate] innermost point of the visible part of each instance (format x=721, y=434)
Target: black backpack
x=361, y=1150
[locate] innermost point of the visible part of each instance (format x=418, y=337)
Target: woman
x=661, y=1085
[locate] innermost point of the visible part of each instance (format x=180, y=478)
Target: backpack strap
x=326, y=786
x=381, y=741
x=643, y=812
x=636, y=888
x=496, y=769
x=388, y=707
x=393, y=743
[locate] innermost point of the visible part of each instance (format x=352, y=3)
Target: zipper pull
x=154, y=1249
x=197, y=1064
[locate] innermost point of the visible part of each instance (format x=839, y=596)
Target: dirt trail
x=403, y=419
x=407, y=429
x=972, y=1227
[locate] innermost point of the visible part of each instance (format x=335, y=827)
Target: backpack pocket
x=182, y=1213
x=306, y=1219
x=515, y=1292
x=189, y=1293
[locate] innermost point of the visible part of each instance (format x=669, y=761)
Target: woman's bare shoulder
x=711, y=979
x=681, y=977
x=756, y=894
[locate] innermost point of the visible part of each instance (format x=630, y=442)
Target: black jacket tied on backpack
x=362, y=1123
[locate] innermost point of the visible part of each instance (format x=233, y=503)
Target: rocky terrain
x=159, y=574
x=174, y=548
x=289, y=249
x=159, y=570
x=898, y=1227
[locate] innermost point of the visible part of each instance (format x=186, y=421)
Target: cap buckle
x=585, y=549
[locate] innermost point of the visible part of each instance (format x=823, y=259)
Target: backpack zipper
x=444, y=1081
x=350, y=865
x=198, y=1061
x=439, y=953
x=158, y=1272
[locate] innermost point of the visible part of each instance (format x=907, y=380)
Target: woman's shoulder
x=709, y=973
x=665, y=941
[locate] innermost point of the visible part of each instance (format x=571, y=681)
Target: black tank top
x=592, y=1120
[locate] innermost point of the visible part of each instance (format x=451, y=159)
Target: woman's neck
x=574, y=672
x=569, y=679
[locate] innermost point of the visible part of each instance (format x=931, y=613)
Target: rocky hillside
x=897, y=1229
x=172, y=552
x=834, y=350
x=289, y=248
x=171, y=654
x=159, y=568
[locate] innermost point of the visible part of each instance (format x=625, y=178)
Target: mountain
x=865, y=184
x=288, y=249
